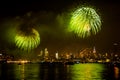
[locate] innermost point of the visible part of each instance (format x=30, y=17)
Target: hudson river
x=86, y=71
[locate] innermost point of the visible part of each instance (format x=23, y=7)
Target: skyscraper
x=94, y=50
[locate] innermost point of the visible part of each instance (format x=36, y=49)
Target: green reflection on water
x=27, y=71
x=87, y=71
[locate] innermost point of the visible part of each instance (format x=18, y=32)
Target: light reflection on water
x=116, y=72
x=85, y=71
x=27, y=71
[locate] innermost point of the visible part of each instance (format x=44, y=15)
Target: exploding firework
x=85, y=21
x=27, y=40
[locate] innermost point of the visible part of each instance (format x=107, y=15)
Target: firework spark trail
x=27, y=42
x=85, y=21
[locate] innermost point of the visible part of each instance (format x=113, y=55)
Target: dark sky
x=54, y=36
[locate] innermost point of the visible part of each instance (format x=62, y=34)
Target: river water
x=86, y=71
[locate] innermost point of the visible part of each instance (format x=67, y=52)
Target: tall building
x=115, y=49
x=46, y=52
x=56, y=55
x=41, y=53
x=94, y=50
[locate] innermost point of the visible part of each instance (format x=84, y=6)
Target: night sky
x=50, y=18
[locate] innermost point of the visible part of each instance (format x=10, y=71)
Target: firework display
x=84, y=22
x=27, y=41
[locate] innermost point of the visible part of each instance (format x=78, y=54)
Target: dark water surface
x=87, y=71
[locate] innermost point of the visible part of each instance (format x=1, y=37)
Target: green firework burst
x=27, y=41
x=85, y=21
